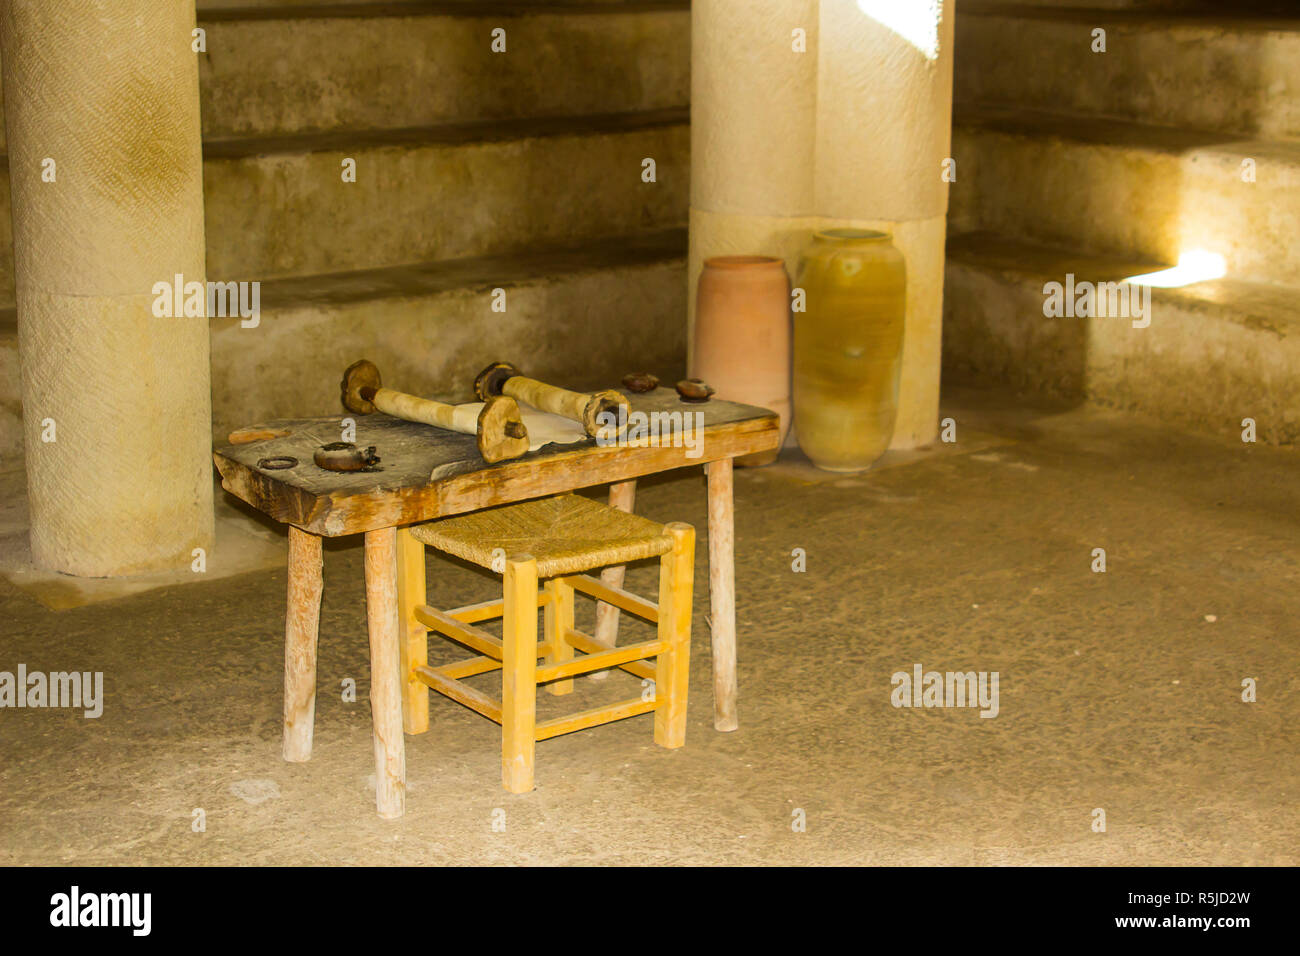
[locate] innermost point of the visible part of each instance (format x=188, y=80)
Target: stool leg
x=415, y=636
x=622, y=495
x=722, y=593
x=519, y=674
x=559, y=621
x=385, y=672
x=673, y=666
x=301, y=625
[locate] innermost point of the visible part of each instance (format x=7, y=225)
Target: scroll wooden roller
x=500, y=430
x=501, y=378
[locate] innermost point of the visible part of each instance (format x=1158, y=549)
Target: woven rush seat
x=565, y=534
x=550, y=540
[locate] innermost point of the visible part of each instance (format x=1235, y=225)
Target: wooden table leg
x=722, y=594
x=301, y=626
x=415, y=636
x=385, y=672
x=622, y=495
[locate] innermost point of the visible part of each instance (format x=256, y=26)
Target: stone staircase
x=475, y=171
x=521, y=171
x=1109, y=165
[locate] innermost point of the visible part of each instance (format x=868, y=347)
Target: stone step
x=1134, y=190
x=278, y=206
x=207, y=6
x=276, y=68
x=1214, y=352
x=1108, y=6
x=1228, y=70
x=287, y=66
x=580, y=315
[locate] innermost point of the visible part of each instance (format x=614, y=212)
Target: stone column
x=884, y=127
x=753, y=131
x=852, y=132
x=102, y=114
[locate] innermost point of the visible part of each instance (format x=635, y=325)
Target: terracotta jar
x=742, y=335
x=848, y=347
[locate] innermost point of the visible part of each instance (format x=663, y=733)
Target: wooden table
x=429, y=473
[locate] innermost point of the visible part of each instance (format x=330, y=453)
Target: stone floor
x=1119, y=690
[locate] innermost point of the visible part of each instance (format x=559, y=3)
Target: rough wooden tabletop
x=426, y=472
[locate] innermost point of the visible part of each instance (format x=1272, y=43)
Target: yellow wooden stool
x=553, y=539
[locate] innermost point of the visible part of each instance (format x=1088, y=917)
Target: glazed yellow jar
x=848, y=347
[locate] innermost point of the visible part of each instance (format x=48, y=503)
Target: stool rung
x=489, y=610
x=591, y=718
x=472, y=637
x=468, y=668
x=599, y=661
x=473, y=613
x=589, y=645
x=461, y=693
x=626, y=600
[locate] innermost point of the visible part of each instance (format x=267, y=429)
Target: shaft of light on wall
x=916, y=21
x=1195, y=265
